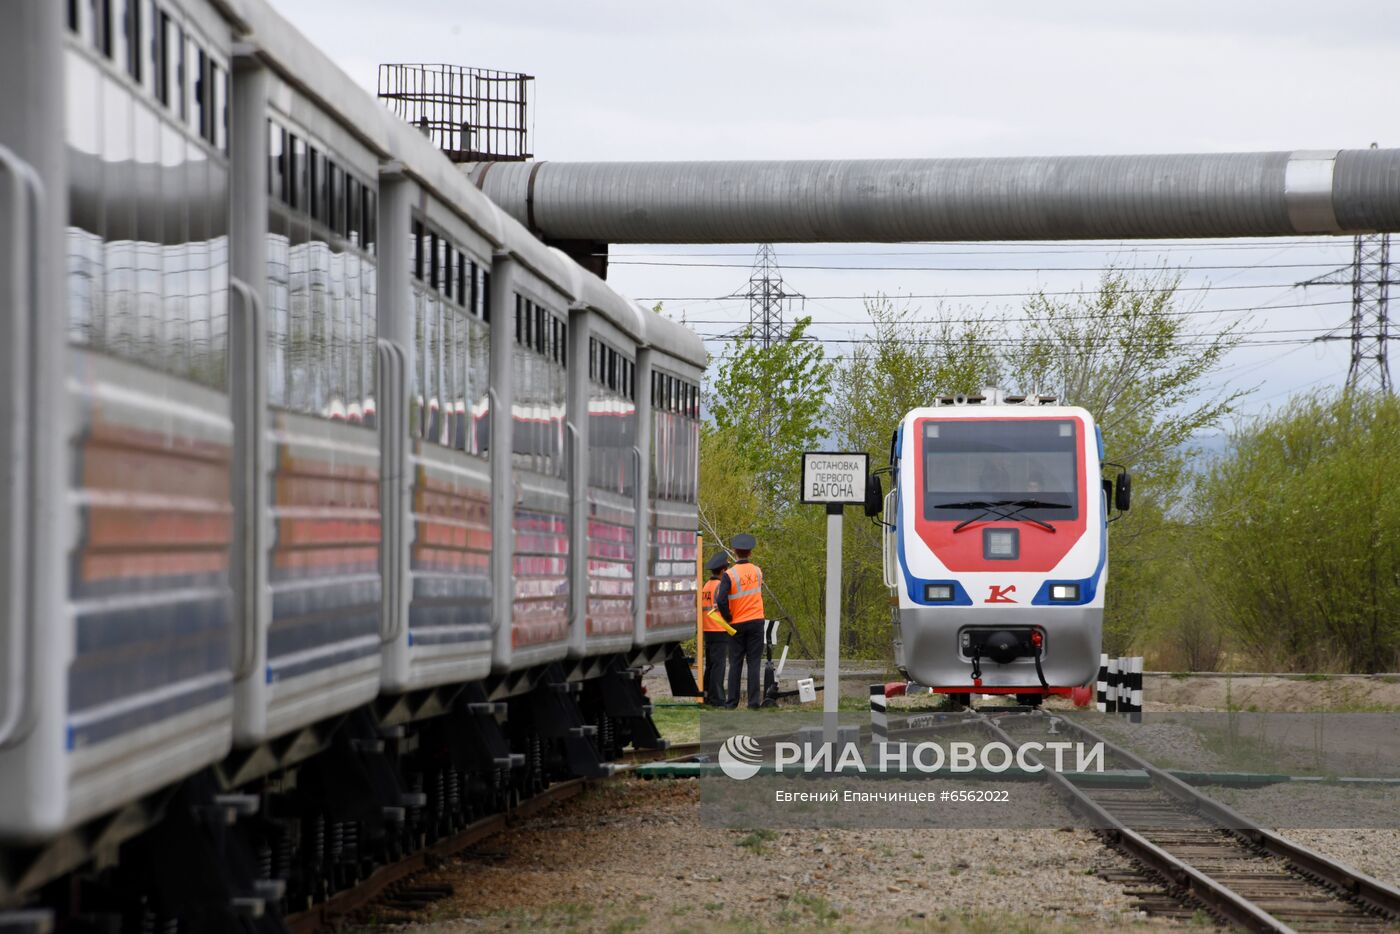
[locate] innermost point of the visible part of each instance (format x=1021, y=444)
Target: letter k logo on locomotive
x=1000, y=594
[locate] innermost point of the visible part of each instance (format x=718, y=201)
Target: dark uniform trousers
x=716, y=658
x=745, y=645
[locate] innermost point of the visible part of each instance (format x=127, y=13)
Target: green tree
x=1301, y=535
x=768, y=405
x=906, y=363
x=1127, y=354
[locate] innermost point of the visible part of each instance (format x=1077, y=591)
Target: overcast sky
x=778, y=79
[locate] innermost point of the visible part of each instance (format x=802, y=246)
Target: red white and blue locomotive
x=996, y=545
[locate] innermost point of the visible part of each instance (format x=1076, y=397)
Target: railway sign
x=837, y=478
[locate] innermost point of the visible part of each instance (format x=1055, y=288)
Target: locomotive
x=996, y=545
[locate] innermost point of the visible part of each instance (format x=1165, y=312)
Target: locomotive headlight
x=938, y=593
x=1064, y=592
x=999, y=544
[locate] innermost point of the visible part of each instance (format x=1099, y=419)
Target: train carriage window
x=434, y=260
x=221, y=109
x=132, y=32
x=160, y=57
x=296, y=172
x=462, y=272
x=102, y=26
x=335, y=203
x=519, y=320
x=486, y=296
x=369, y=217
x=276, y=173
x=354, y=201
x=196, y=63
x=73, y=24
x=316, y=167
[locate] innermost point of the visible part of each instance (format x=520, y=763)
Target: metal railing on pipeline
x=471, y=114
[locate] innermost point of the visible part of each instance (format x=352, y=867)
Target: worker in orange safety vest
x=739, y=600
x=718, y=633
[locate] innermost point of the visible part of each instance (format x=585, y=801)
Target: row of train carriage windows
x=449, y=403
x=673, y=394
x=322, y=281
x=160, y=56
x=610, y=369
x=539, y=387
x=146, y=125
x=322, y=277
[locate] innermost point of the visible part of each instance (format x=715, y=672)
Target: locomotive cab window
x=1031, y=464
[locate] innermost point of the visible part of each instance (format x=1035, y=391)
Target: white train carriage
x=118, y=423
x=437, y=371
x=317, y=587
x=671, y=367
x=530, y=488
x=605, y=335
x=996, y=546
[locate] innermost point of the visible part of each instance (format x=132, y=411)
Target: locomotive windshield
x=1008, y=462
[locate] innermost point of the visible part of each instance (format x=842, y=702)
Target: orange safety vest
x=707, y=603
x=745, y=592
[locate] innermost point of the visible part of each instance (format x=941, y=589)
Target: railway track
x=392, y=881
x=1206, y=853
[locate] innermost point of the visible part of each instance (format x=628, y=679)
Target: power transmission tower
x=768, y=298
x=1369, y=278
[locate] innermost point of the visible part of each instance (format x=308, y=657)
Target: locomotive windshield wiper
x=1004, y=509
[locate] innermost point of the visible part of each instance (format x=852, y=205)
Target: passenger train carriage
x=996, y=545
x=338, y=505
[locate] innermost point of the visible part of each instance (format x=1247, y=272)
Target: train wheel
x=1030, y=700
x=959, y=701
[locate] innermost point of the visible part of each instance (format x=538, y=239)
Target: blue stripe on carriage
x=102, y=628
x=288, y=636
x=281, y=672
x=449, y=635
x=165, y=708
x=458, y=608
x=135, y=649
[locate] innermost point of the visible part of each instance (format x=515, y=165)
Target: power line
x=1036, y=294
x=1025, y=320
x=998, y=248
x=831, y=268
x=1017, y=341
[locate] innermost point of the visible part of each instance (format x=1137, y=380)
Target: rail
x=1345, y=899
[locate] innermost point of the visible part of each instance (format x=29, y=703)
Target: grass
x=756, y=839
x=679, y=724
x=808, y=910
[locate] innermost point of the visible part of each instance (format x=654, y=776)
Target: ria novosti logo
x=740, y=757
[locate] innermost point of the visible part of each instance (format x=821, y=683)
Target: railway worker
x=718, y=633
x=739, y=600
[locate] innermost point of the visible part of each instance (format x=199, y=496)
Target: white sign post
x=837, y=480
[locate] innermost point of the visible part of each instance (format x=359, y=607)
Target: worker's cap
x=744, y=542
x=718, y=562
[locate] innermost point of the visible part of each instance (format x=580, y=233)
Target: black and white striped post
x=1103, y=683
x=879, y=716
x=1111, y=697
x=1135, y=689
x=1124, y=694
